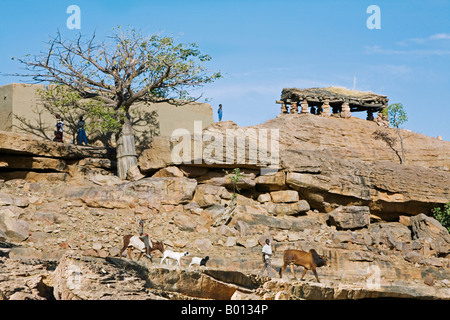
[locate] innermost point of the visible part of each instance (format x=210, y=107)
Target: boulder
x=171, y=171
x=208, y=195
x=221, y=178
x=170, y=190
x=109, y=197
x=271, y=181
x=350, y=217
x=242, y=228
x=209, y=284
x=390, y=234
x=158, y=156
x=342, y=237
x=214, y=211
x=413, y=257
x=15, y=229
x=227, y=231
x=12, y=227
x=428, y=228
x=185, y=222
x=134, y=174
x=10, y=200
x=202, y=245
x=264, y=197
x=284, y=196
x=290, y=209
x=105, y=180
x=193, y=172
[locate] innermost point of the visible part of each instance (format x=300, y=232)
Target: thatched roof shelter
x=338, y=99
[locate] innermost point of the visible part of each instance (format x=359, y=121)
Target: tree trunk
x=402, y=160
x=126, y=152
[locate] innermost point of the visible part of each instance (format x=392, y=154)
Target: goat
x=309, y=260
x=199, y=261
x=173, y=255
x=130, y=242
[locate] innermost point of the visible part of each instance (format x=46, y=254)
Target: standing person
x=144, y=237
x=81, y=132
x=59, y=129
x=219, y=112
x=267, y=257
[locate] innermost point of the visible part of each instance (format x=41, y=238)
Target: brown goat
x=308, y=260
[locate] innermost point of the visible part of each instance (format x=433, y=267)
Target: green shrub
x=443, y=216
x=235, y=177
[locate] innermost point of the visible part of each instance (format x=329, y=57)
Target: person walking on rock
x=219, y=112
x=81, y=132
x=144, y=237
x=267, y=258
x=59, y=129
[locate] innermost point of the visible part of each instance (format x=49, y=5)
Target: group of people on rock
x=82, y=138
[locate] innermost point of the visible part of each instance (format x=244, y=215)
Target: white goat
x=173, y=255
x=199, y=261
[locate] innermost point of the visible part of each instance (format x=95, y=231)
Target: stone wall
x=23, y=100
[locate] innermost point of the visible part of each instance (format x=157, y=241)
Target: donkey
x=130, y=242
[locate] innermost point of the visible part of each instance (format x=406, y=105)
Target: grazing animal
x=199, y=261
x=308, y=260
x=173, y=255
x=130, y=242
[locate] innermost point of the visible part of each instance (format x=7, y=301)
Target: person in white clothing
x=267, y=257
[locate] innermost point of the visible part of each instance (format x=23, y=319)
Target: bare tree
x=397, y=116
x=126, y=67
x=389, y=140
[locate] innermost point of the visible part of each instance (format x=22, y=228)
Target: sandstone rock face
x=353, y=139
x=332, y=161
x=367, y=215
x=150, y=192
x=87, y=278
x=319, y=291
x=28, y=157
x=14, y=143
x=387, y=189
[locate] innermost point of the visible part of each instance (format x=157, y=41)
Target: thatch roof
x=358, y=100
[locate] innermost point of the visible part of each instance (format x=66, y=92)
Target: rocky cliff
x=335, y=189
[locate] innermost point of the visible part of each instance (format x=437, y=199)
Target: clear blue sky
x=263, y=46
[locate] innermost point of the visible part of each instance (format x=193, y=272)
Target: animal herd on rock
x=308, y=260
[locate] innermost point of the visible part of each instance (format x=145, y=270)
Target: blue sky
x=262, y=47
